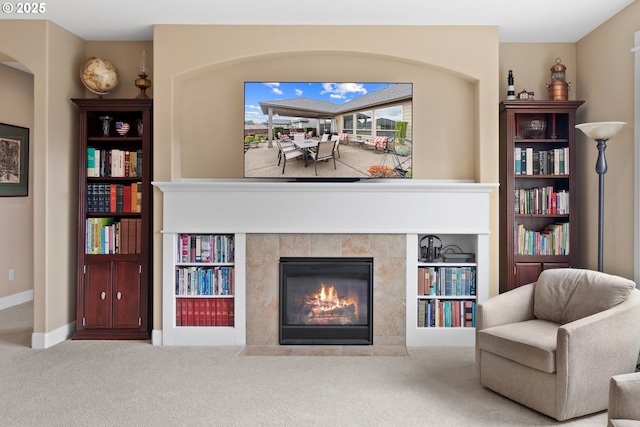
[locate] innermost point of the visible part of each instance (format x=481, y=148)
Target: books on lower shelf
x=553, y=240
x=438, y=313
x=205, y=248
x=205, y=312
x=447, y=281
x=541, y=201
x=107, y=197
x=204, y=280
x=528, y=161
x=108, y=236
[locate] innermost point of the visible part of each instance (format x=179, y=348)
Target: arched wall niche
x=208, y=111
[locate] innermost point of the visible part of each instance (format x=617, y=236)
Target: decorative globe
x=99, y=75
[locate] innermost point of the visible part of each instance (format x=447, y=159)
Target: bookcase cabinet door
x=98, y=295
x=126, y=295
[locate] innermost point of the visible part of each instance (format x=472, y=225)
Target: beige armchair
x=624, y=400
x=553, y=345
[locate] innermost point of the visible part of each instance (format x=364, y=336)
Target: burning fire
x=327, y=302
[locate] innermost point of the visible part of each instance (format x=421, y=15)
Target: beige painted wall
x=16, y=213
x=53, y=138
x=125, y=56
x=198, y=102
x=531, y=65
x=606, y=80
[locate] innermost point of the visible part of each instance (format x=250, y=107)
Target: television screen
x=327, y=131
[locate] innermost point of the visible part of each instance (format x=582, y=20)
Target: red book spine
x=203, y=308
x=185, y=311
x=218, y=313
x=113, y=189
x=231, y=313
x=190, y=318
x=208, y=316
x=225, y=312
x=178, y=312
x=126, y=200
x=196, y=312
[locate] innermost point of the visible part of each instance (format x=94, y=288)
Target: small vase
x=106, y=124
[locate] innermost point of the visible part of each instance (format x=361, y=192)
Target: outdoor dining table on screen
x=305, y=145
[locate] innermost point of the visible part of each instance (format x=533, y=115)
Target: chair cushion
x=624, y=423
x=531, y=343
x=563, y=295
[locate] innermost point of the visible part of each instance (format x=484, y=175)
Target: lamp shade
x=601, y=130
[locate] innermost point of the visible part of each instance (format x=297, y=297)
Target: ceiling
x=518, y=20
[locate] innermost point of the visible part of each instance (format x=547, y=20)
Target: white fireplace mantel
x=380, y=206
x=242, y=207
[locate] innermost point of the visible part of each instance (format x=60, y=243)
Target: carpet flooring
x=132, y=383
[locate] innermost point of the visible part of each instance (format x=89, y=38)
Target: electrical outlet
x=11, y=274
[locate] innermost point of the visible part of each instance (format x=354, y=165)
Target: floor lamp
x=601, y=132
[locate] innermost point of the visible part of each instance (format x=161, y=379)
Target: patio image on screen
x=333, y=131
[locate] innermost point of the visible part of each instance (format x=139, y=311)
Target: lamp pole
x=601, y=169
x=601, y=132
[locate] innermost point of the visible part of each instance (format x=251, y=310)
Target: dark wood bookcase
x=114, y=290
x=533, y=229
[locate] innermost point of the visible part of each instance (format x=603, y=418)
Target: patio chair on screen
x=287, y=155
x=336, y=148
x=325, y=152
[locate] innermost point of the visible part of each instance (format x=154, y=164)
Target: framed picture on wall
x=14, y=160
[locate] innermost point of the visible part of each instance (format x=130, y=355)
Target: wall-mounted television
x=286, y=124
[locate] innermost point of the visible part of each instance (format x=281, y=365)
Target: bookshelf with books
x=538, y=208
x=200, y=305
x=442, y=296
x=114, y=219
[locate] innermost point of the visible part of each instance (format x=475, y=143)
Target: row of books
x=553, y=240
x=114, y=198
x=528, y=161
x=204, y=280
x=435, y=313
x=541, y=200
x=447, y=281
x=108, y=236
x=205, y=312
x=205, y=248
x=113, y=162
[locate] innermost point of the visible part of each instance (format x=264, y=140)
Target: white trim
x=16, y=299
x=156, y=337
x=49, y=339
x=636, y=173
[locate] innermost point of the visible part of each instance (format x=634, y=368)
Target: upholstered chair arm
x=624, y=397
x=593, y=349
x=510, y=307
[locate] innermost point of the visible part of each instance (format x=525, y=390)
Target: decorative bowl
x=535, y=129
x=122, y=128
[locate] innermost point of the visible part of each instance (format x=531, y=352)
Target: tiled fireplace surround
x=273, y=219
x=263, y=256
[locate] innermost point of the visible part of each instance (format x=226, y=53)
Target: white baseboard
x=156, y=337
x=49, y=339
x=16, y=299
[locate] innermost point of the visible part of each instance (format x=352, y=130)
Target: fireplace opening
x=326, y=301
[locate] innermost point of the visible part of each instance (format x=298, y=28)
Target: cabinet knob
x=119, y=295
x=103, y=295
